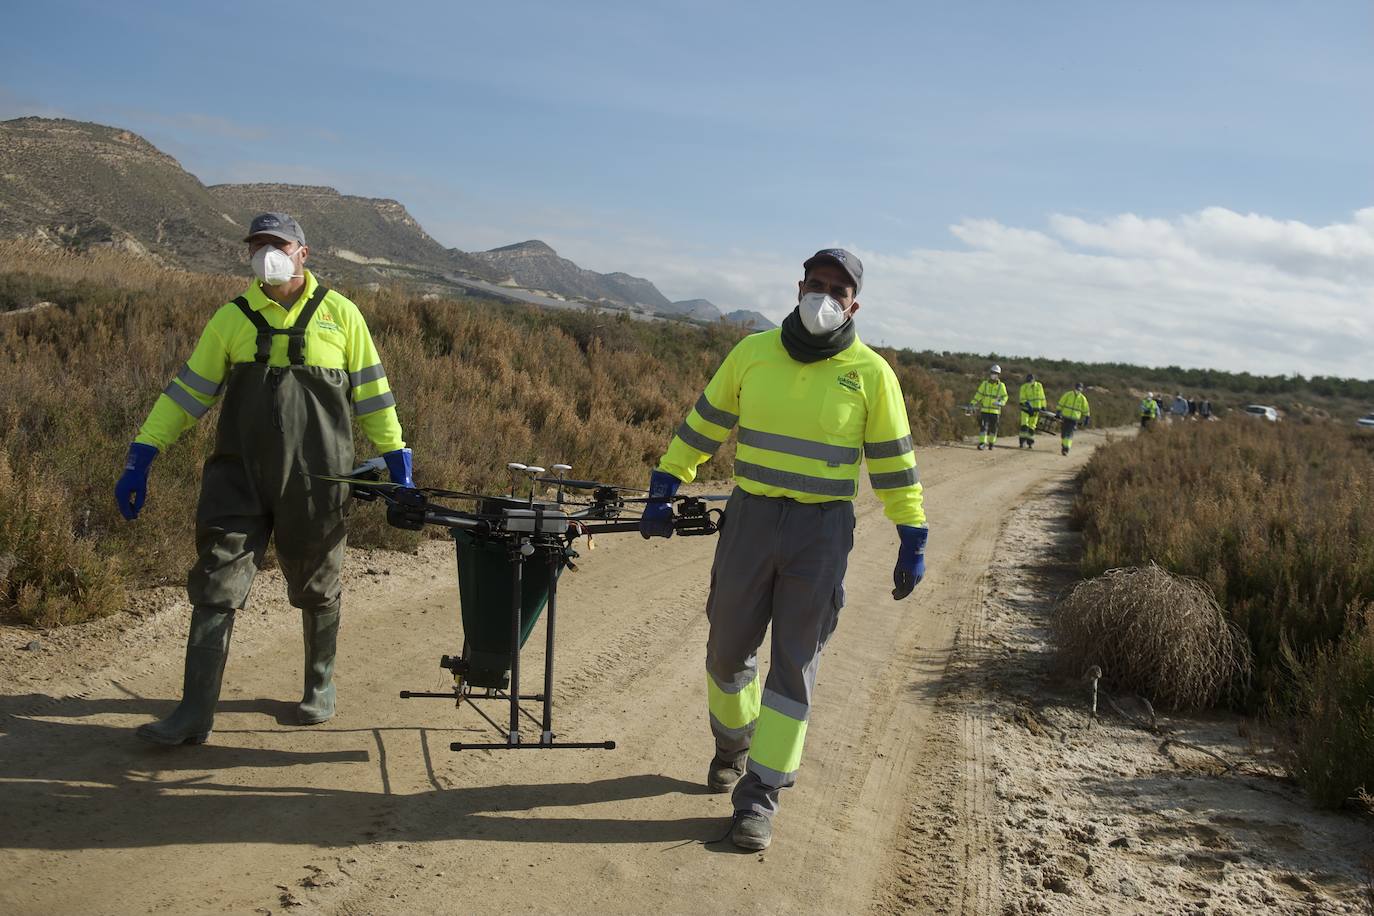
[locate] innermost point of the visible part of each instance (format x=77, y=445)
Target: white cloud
x=1212, y=289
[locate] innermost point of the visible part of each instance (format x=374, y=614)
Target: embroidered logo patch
x=851, y=380
x=325, y=320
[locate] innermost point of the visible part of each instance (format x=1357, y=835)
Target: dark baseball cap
x=276, y=224
x=850, y=262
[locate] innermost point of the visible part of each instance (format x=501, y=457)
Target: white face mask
x=273, y=266
x=820, y=313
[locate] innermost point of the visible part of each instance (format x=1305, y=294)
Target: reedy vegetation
x=478, y=384
x=1278, y=520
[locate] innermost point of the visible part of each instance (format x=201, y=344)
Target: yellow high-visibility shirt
x=990, y=396
x=1032, y=393
x=337, y=338
x=1073, y=405
x=804, y=426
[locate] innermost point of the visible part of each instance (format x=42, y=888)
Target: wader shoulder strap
x=264, y=329
x=295, y=347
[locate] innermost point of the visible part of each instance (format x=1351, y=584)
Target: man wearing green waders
x=293, y=362
x=809, y=399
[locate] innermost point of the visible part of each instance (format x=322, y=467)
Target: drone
x=511, y=550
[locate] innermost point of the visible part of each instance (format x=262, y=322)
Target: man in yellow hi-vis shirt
x=1031, y=397
x=810, y=399
x=1073, y=411
x=988, y=400
x=293, y=362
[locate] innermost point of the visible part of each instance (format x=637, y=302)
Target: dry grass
x=1155, y=634
x=1277, y=520
x=1331, y=729
x=478, y=384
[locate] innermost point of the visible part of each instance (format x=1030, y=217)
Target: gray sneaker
x=722, y=776
x=751, y=831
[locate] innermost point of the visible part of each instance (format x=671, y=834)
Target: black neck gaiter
x=805, y=347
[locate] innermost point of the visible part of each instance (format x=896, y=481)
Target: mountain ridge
x=81, y=184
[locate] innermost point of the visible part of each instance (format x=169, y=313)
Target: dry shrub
x=1330, y=749
x=48, y=575
x=1152, y=633
x=477, y=384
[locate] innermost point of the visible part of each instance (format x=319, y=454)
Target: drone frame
x=541, y=528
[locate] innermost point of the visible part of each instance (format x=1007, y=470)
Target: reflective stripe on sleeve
x=373, y=404
x=696, y=440
x=800, y=483
x=802, y=448
x=894, y=479
x=197, y=382
x=712, y=414
x=890, y=449
x=182, y=398
x=363, y=376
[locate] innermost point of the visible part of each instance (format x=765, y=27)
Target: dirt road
x=372, y=813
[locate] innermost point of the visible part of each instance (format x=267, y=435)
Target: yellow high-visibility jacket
x=990, y=396
x=1073, y=405
x=804, y=426
x=1149, y=407
x=1032, y=393
x=337, y=338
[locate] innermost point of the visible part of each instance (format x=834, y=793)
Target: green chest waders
x=278, y=426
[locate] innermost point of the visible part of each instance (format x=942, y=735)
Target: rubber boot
x=321, y=630
x=207, y=648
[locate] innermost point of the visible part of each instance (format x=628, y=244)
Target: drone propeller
x=386, y=486
x=681, y=497
x=589, y=485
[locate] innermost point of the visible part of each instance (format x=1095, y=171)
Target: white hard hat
x=996, y=369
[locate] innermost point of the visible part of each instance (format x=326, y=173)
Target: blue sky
x=1165, y=182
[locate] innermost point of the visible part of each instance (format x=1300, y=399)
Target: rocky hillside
x=756, y=320
x=701, y=309
x=357, y=230
x=85, y=185
x=534, y=265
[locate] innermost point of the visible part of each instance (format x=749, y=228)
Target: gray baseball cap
x=276, y=224
x=850, y=262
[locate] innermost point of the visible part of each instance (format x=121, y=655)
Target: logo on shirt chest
x=851, y=380
x=325, y=320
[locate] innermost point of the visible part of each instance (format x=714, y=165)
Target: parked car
x=1262, y=412
x=1367, y=420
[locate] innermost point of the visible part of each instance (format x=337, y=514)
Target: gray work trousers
x=782, y=561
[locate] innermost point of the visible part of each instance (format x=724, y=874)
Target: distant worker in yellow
x=1073, y=411
x=988, y=400
x=810, y=399
x=1149, y=410
x=1031, y=397
x=293, y=363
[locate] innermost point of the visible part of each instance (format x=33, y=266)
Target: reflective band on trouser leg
x=733, y=714
x=776, y=752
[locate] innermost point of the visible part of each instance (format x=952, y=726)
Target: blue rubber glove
x=398, y=466
x=911, y=560
x=657, y=520
x=132, y=487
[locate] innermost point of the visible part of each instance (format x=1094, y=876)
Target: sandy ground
x=1100, y=815
x=919, y=791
